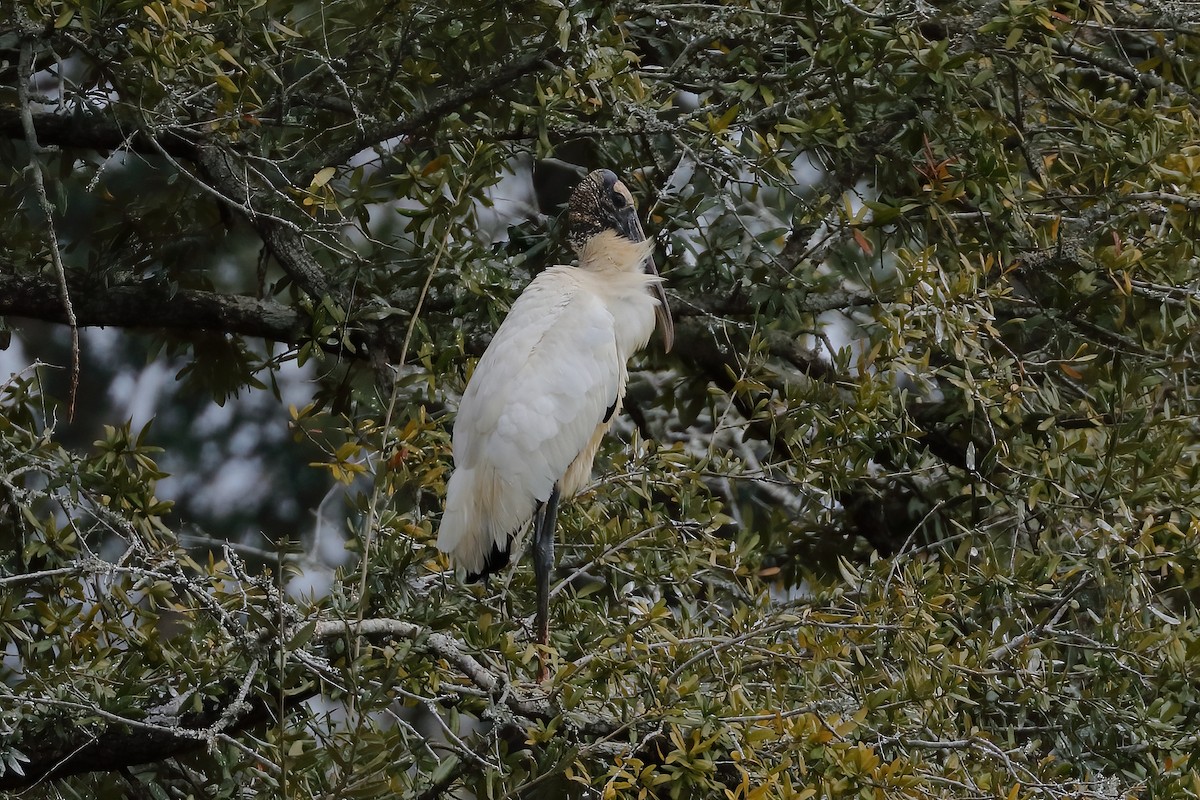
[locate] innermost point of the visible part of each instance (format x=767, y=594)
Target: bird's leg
x=543, y=562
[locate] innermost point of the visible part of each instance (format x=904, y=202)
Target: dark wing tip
x=495, y=561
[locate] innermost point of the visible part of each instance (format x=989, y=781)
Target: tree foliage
x=909, y=511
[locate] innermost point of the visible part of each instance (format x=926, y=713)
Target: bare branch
x=445, y=647
x=24, y=76
x=447, y=101
x=151, y=306
x=102, y=132
x=283, y=239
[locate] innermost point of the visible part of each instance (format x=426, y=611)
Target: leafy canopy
x=909, y=511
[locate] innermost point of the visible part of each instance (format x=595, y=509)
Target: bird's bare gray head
x=604, y=231
x=601, y=202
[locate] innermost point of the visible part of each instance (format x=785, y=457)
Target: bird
x=546, y=389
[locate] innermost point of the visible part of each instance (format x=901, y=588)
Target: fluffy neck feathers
x=609, y=251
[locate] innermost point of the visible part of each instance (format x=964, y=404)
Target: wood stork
x=545, y=392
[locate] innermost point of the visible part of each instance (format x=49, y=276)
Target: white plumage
x=537, y=401
x=545, y=391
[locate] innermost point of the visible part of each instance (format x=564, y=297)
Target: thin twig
x=373, y=511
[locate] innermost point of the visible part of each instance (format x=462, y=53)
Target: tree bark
x=150, y=306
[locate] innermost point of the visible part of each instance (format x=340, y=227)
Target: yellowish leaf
x=225, y=83
x=322, y=177
x=279, y=26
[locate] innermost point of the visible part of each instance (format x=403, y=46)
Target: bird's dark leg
x=543, y=561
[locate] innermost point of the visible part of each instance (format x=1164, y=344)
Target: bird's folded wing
x=542, y=387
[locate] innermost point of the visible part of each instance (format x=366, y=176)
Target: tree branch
x=283, y=239
x=151, y=306
x=102, y=132
x=34, y=170
x=449, y=100
x=108, y=741
x=1144, y=80
x=532, y=707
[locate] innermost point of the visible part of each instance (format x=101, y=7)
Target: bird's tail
x=460, y=526
x=466, y=530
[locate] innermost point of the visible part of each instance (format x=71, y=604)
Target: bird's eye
x=619, y=200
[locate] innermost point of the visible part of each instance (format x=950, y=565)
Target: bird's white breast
x=626, y=296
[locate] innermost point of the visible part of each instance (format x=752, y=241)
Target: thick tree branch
x=532, y=707
x=1143, y=79
x=151, y=306
x=102, y=132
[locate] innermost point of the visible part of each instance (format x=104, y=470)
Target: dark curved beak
x=631, y=227
x=629, y=224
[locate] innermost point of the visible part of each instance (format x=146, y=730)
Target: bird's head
x=602, y=224
x=602, y=203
